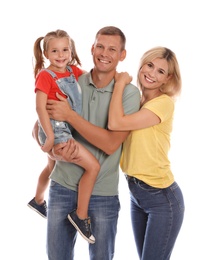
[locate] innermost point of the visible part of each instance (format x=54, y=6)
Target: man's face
x=107, y=53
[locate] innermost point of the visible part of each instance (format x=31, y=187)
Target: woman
x=157, y=206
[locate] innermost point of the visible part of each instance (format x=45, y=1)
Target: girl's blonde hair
x=39, y=53
x=173, y=86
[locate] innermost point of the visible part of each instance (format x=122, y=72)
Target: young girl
x=157, y=206
x=61, y=77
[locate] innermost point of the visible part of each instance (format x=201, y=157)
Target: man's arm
x=106, y=140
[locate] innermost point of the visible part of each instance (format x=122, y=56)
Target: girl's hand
x=48, y=145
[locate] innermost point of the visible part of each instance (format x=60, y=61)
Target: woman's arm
x=118, y=121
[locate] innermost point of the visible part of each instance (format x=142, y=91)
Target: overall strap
x=51, y=73
x=69, y=69
x=54, y=75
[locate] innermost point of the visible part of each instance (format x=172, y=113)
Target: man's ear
x=92, y=49
x=123, y=55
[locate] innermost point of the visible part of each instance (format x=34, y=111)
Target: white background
x=187, y=29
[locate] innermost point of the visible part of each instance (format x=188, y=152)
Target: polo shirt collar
x=108, y=88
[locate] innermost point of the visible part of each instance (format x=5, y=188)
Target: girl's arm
x=41, y=101
x=63, y=151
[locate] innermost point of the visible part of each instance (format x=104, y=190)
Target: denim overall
x=70, y=87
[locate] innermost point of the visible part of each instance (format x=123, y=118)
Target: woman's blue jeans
x=157, y=216
x=61, y=235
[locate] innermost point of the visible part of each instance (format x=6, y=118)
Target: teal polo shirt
x=95, y=110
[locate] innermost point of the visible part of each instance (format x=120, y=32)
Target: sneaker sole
x=37, y=211
x=77, y=228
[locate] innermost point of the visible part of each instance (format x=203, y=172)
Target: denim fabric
x=157, y=216
x=72, y=90
x=61, y=235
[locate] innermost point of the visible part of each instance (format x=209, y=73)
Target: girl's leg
x=43, y=181
x=87, y=181
x=79, y=217
x=38, y=203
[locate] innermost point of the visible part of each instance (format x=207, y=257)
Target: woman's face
x=154, y=74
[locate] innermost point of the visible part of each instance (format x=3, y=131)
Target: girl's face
x=58, y=53
x=154, y=74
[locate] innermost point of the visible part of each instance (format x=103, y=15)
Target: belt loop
x=130, y=178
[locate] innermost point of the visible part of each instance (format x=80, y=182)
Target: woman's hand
x=122, y=79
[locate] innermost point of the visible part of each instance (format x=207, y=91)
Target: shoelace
x=87, y=223
x=45, y=207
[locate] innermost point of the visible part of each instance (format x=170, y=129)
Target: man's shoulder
x=132, y=86
x=84, y=80
x=131, y=89
x=84, y=77
x=131, y=99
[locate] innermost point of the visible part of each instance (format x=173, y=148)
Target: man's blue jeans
x=157, y=216
x=61, y=235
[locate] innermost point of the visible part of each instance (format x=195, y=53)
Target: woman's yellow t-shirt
x=145, y=151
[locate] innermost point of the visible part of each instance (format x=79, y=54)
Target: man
x=90, y=130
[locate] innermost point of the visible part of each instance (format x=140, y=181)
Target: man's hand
x=67, y=152
x=58, y=110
